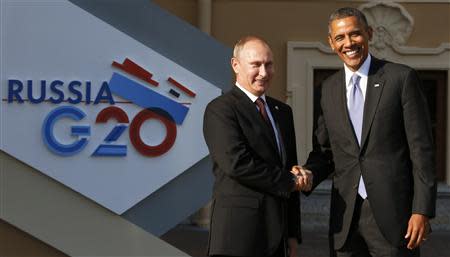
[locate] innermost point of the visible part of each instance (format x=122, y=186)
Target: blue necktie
x=356, y=110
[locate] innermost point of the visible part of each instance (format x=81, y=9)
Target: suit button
x=361, y=158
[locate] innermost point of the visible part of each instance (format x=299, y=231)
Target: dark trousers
x=365, y=238
x=278, y=253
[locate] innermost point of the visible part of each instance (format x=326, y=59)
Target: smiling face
x=349, y=39
x=253, y=66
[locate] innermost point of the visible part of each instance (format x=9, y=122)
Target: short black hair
x=345, y=12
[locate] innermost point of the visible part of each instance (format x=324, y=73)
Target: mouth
x=352, y=53
x=261, y=81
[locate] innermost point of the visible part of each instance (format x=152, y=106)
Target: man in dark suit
x=374, y=138
x=255, y=204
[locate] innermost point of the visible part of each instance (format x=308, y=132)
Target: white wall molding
x=391, y=23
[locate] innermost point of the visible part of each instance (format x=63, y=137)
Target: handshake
x=303, y=178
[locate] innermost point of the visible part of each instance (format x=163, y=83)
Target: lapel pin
x=376, y=85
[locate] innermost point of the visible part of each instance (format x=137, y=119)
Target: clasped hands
x=303, y=178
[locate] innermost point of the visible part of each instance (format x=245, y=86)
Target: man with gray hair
x=251, y=140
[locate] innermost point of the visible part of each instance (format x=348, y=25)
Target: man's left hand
x=418, y=229
x=293, y=247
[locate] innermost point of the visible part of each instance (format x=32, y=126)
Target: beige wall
x=184, y=9
x=432, y=24
x=280, y=21
x=15, y=242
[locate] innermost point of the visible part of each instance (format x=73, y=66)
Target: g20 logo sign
x=156, y=107
x=108, y=148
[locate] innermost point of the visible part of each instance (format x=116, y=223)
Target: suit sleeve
x=320, y=159
x=418, y=132
x=230, y=151
x=294, y=219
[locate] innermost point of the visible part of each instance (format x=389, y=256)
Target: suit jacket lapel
x=280, y=126
x=340, y=97
x=375, y=85
x=249, y=110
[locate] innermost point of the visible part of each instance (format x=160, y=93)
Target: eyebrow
x=261, y=62
x=350, y=32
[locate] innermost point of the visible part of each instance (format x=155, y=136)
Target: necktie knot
x=356, y=92
x=260, y=102
x=355, y=80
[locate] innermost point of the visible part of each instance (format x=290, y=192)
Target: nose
x=348, y=41
x=262, y=71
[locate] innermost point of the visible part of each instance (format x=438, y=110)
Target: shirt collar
x=250, y=95
x=363, y=71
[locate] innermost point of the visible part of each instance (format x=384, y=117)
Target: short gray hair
x=243, y=40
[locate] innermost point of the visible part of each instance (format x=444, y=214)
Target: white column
x=204, y=15
x=202, y=216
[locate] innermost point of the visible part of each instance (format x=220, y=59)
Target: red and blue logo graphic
x=155, y=106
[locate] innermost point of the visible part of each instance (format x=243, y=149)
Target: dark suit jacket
x=396, y=157
x=252, y=206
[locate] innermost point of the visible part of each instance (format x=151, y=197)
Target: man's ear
x=235, y=65
x=370, y=32
x=330, y=42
